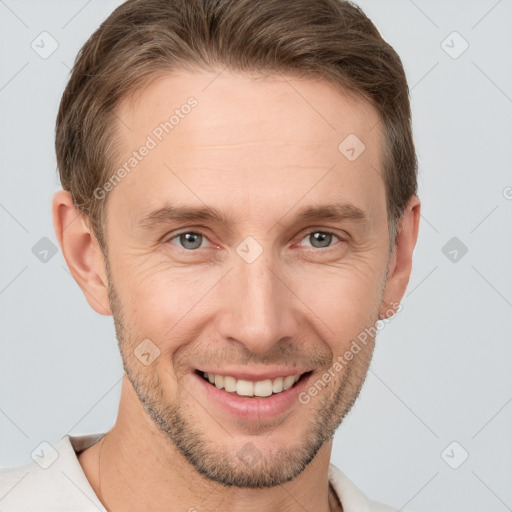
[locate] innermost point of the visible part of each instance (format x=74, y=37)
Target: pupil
x=322, y=237
x=187, y=240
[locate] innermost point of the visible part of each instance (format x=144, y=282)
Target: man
x=239, y=192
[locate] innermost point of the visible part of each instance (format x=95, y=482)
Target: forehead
x=260, y=104
x=248, y=142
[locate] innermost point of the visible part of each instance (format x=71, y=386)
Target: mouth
x=253, y=388
x=255, y=398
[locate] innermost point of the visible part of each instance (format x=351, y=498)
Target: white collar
x=63, y=486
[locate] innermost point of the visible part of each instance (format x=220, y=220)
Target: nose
x=258, y=305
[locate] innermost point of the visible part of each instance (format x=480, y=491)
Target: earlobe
x=81, y=251
x=400, y=265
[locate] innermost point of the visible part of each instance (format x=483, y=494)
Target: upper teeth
x=249, y=388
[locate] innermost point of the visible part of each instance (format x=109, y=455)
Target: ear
x=400, y=264
x=81, y=251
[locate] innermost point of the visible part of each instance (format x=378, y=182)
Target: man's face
x=268, y=293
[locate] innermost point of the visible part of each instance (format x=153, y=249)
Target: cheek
x=171, y=304
x=345, y=297
x=159, y=301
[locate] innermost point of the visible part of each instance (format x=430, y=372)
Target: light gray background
x=442, y=368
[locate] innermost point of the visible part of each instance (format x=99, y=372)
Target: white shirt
x=57, y=483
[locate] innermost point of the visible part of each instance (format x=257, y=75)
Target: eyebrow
x=171, y=213
x=174, y=213
x=334, y=212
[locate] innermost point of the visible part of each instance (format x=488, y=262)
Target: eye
x=320, y=239
x=192, y=240
x=189, y=240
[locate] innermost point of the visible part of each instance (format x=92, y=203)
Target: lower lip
x=252, y=408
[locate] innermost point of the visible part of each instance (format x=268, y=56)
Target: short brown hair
x=144, y=39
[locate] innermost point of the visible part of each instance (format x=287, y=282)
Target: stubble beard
x=219, y=463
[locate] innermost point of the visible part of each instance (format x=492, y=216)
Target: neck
x=162, y=479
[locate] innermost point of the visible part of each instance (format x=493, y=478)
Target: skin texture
x=258, y=150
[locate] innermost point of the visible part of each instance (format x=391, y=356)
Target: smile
x=248, y=388
x=255, y=395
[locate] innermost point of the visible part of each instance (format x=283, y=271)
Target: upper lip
x=255, y=375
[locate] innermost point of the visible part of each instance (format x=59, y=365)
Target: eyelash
x=302, y=237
